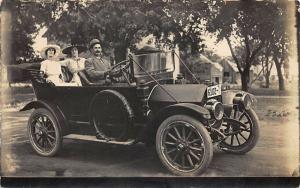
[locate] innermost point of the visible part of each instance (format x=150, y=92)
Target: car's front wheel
x=183, y=145
x=242, y=131
x=44, y=132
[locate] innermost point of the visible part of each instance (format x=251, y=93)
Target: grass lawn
x=268, y=92
x=271, y=108
x=291, y=89
x=16, y=96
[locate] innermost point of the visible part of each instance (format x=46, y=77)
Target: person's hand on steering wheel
x=108, y=73
x=118, y=72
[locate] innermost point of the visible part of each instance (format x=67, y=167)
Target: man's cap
x=93, y=42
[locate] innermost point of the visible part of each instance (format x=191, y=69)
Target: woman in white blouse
x=50, y=66
x=74, y=63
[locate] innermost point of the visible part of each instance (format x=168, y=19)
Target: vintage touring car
x=141, y=102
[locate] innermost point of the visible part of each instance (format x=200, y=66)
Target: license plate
x=213, y=91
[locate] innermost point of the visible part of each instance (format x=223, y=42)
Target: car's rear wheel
x=242, y=130
x=183, y=145
x=44, y=132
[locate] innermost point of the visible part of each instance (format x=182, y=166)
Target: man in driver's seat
x=96, y=66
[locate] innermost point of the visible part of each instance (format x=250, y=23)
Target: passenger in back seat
x=50, y=66
x=74, y=63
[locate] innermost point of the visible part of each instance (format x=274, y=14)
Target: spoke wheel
x=44, y=133
x=184, y=145
x=242, y=131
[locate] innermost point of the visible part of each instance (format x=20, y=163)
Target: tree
x=121, y=24
x=281, y=40
x=27, y=20
x=267, y=65
x=244, y=25
x=182, y=23
x=118, y=25
x=280, y=57
x=210, y=54
x=264, y=58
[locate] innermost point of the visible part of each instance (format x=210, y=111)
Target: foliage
x=281, y=42
x=264, y=58
x=122, y=24
x=246, y=26
x=118, y=24
x=182, y=23
x=212, y=56
x=27, y=19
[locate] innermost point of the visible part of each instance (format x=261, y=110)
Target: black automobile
x=142, y=102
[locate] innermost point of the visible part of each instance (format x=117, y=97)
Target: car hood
x=180, y=93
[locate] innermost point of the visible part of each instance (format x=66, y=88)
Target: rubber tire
x=125, y=105
x=58, y=133
x=206, y=139
x=255, y=131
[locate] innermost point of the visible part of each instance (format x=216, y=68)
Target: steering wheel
x=120, y=72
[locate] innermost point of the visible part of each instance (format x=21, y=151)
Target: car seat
x=85, y=79
x=66, y=74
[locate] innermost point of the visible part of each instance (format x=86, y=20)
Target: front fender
x=54, y=109
x=191, y=109
x=198, y=112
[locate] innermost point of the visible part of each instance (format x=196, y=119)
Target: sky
x=39, y=41
x=221, y=48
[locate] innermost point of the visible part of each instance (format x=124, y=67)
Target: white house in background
x=206, y=70
x=231, y=73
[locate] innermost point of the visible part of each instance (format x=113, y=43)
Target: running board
x=94, y=139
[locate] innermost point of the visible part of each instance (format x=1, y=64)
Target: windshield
x=154, y=62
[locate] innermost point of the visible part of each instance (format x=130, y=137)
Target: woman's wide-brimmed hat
x=55, y=47
x=68, y=49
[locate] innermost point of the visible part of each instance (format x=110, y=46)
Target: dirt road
x=276, y=153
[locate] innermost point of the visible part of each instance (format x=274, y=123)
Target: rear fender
x=54, y=109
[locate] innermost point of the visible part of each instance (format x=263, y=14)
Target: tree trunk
x=120, y=54
x=245, y=76
x=6, y=45
x=280, y=76
x=267, y=77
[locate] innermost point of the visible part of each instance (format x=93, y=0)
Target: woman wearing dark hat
x=74, y=63
x=50, y=66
